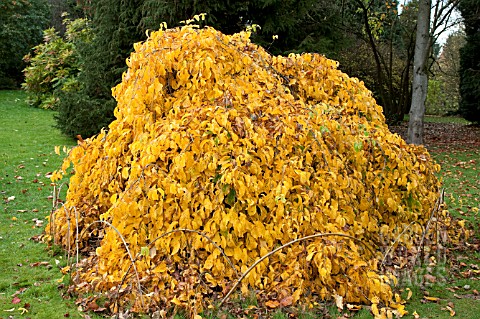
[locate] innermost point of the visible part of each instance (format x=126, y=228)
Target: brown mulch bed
x=445, y=136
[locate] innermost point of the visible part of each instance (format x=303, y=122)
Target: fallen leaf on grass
x=353, y=307
x=41, y=263
x=16, y=300
x=409, y=294
x=430, y=278
x=65, y=270
x=338, y=301
x=37, y=238
x=19, y=291
x=23, y=310
x=434, y=299
x=272, y=304
x=452, y=312
x=92, y=305
x=38, y=222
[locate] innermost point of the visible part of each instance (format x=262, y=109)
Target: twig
x=395, y=242
x=168, y=233
x=67, y=212
x=52, y=215
x=128, y=251
x=432, y=214
x=280, y=248
x=76, y=234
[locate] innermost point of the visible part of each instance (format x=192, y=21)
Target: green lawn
x=441, y=119
x=30, y=278
x=457, y=275
x=29, y=273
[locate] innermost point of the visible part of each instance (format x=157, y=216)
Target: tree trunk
x=420, y=75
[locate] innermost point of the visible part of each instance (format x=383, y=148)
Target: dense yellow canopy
x=214, y=134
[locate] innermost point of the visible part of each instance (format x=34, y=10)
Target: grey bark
x=420, y=74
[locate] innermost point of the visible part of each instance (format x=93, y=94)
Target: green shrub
x=54, y=63
x=80, y=114
x=438, y=103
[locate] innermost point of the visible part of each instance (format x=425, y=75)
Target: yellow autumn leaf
x=125, y=172
x=409, y=294
x=176, y=301
x=451, y=310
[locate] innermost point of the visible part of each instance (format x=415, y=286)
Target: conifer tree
x=22, y=24
x=470, y=62
x=117, y=26
x=86, y=111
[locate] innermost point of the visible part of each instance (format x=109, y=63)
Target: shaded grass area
x=446, y=119
x=30, y=276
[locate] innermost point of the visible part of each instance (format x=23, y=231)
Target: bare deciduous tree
x=427, y=33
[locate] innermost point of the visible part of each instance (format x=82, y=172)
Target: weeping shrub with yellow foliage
x=250, y=151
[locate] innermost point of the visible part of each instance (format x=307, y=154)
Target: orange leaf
x=272, y=304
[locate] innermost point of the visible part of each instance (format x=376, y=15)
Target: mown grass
x=456, y=274
x=27, y=137
x=441, y=119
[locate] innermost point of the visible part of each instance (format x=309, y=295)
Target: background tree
x=386, y=39
x=116, y=26
x=58, y=8
x=470, y=61
x=342, y=30
x=305, y=25
x=420, y=74
x=85, y=110
x=443, y=88
x=22, y=24
x=440, y=15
